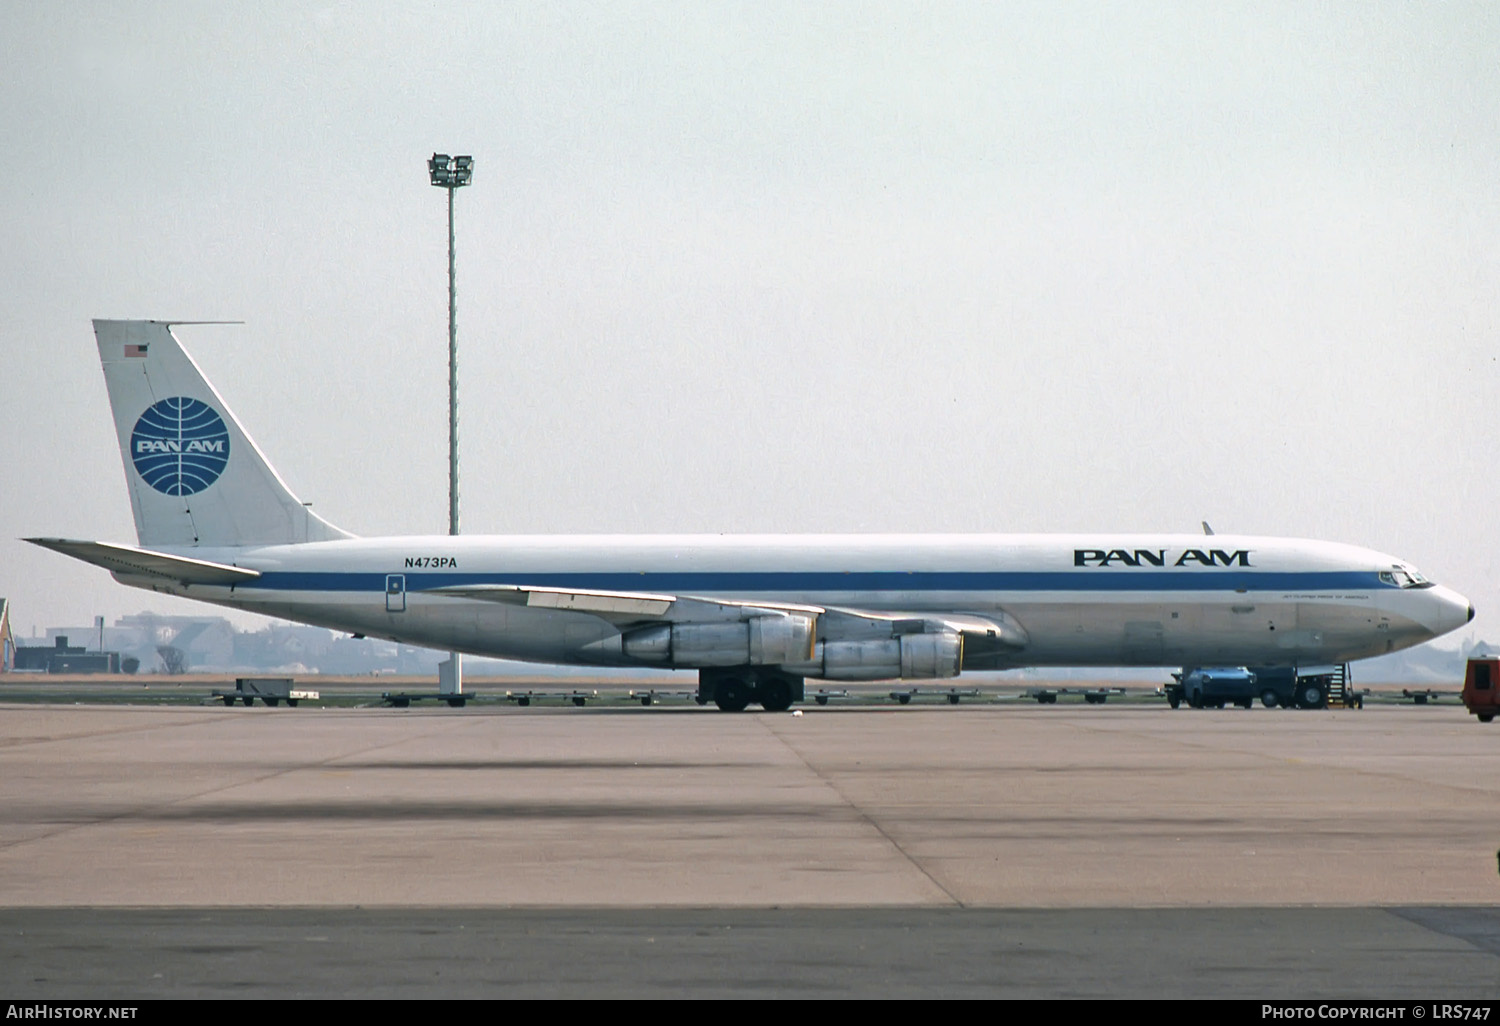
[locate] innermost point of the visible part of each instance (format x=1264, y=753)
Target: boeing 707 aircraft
x=755, y=614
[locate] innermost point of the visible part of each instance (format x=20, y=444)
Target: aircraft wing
x=987, y=635
x=623, y=606
x=129, y=561
x=989, y=638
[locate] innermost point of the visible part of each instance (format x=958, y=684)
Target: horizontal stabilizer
x=129, y=561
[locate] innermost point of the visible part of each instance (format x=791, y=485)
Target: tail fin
x=195, y=476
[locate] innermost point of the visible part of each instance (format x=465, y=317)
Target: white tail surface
x=195, y=477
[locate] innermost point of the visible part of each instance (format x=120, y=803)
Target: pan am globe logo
x=180, y=446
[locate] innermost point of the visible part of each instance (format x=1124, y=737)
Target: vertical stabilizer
x=195, y=477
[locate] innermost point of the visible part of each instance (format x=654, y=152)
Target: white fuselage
x=1081, y=600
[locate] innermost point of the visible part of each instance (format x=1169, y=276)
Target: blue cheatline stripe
x=825, y=581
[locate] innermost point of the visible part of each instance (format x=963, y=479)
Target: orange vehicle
x=1482, y=688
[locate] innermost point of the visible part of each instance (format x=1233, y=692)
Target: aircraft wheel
x=732, y=696
x=774, y=695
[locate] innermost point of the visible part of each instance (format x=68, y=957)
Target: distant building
x=153, y=643
x=7, y=642
x=60, y=657
x=198, y=642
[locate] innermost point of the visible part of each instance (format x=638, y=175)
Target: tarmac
x=1015, y=851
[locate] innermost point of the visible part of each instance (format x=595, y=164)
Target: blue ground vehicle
x=1215, y=687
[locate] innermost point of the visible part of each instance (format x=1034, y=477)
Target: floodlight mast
x=451, y=173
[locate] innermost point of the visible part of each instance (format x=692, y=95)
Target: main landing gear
x=734, y=688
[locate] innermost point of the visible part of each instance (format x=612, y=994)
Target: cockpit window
x=1404, y=577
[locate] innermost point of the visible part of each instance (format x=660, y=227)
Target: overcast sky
x=771, y=267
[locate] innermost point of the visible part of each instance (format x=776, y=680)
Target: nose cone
x=1449, y=611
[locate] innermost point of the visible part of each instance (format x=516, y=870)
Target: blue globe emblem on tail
x=180, y=446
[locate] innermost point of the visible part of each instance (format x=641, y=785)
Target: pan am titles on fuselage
x=1161, y=557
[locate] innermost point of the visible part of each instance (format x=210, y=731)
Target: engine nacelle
x=758, y=641
x=924, y=656
x=910, y=656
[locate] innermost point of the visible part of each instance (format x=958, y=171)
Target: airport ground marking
x=765, y=722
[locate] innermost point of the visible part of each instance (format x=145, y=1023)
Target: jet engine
x=910, y=656
x=758, y=641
